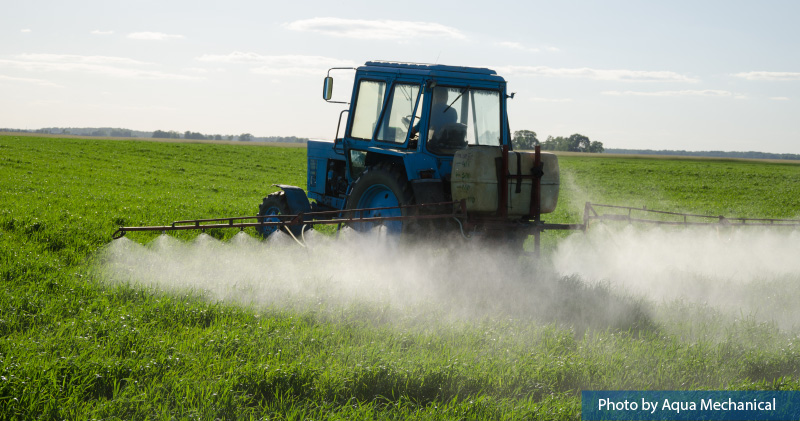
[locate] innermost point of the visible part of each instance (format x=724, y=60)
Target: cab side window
x=368, y=108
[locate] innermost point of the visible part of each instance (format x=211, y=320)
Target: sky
x=691, y=75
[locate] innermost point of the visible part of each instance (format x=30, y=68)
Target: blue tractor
x=425, y=148
x=422, y=142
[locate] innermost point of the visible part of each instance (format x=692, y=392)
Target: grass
x=734, y=188
x=75, y=346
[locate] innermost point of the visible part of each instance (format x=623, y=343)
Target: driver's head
x=440, y=95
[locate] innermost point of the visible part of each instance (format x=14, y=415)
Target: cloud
x=517, y=46
x=203, y=70
x=779, y=98
x=521, y=47
x=286, y=65
x=75, y=59
x=779, y=76
x=703, y=92
x=120, y=67
x=26, y=30
x=237, y=57
x=153, y=36
x=374, y=29
x=40, y=82
x=99, y=32
x=538, y=99
x=598, y=74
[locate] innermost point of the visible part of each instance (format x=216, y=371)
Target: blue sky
x=693, y=75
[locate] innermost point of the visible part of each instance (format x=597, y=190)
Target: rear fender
x=296, y=199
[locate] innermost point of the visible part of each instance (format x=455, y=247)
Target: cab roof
x=432, y=70
x=431, y=67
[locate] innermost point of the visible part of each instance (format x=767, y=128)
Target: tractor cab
x=410, y=118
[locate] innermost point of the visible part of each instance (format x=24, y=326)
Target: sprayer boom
x=292, y=224
x=308, y=219
x=649, y=216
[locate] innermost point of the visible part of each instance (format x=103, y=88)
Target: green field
x=236, y=338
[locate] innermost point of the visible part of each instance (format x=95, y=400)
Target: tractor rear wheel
x=273, y=204
x=381, y=186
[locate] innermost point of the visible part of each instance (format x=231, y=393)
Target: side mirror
x=327, y=89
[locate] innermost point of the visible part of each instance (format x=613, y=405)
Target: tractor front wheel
x=380, y=186
x=273, y=204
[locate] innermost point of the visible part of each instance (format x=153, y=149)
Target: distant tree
x=217, y=137
x=121, y=133
x=555, y=144
x=596, y=147
x=160, y=134
x=548, y=145
x=230, y=137
x=575, y=143
x=524, y=139
x=579, y=143
x=193, y=135
x=245, y=137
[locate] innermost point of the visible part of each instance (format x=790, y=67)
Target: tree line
x=158, y=134
x=244, y=137
x=85, y=131
x=708, y=154
x=172, y=134
x=526, y=139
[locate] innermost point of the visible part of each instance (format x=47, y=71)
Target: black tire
x=273, y=204
x=381, y=185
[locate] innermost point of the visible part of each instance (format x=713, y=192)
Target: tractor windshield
x=399, y=113
x=463, y=116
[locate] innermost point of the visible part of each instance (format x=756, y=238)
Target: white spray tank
x=475, y=180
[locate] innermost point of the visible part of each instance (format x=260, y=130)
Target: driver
x=442, y=113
